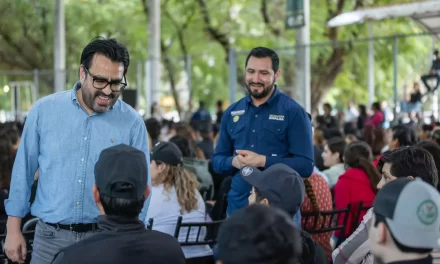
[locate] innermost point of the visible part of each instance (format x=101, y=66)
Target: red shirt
x=352, y=187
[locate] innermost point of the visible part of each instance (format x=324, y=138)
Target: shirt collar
x=76, y=86
x=119, y=223
x=271, y=98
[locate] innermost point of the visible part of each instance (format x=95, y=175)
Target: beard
x=90, y=99
x=260, y=94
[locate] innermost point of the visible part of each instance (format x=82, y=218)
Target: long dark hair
x=358, y=155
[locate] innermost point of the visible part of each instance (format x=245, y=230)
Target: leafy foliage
x=206, y=29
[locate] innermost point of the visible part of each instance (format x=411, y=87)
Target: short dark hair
x=259, y=234
x=262, y=52
x=381, y=219
x=332, y=133
x=110, y=48
x=411, y=161
x=405, y=135
x=153, y=128
x=327, y=105
x=434, y=149
x=120, y=206
x=337, y=145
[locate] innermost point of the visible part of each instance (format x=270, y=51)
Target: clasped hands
x=248, y=158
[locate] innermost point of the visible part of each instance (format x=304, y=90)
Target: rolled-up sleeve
x=25, y=166
x=299, y=137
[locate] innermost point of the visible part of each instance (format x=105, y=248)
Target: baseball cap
x=279, y=183
x=121, y=164
x=168, y=153
x=411, y=211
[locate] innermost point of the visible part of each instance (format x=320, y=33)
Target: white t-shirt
x=165, y=209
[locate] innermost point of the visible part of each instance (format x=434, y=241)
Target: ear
x=265, y=202
x=277, y=75
x=82, y=73
x=96, y=194
x=410, y=177
x=147, y=192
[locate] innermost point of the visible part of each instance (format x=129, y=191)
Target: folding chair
x=327, y=221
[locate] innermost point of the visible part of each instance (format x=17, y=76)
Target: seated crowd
x=364, y=203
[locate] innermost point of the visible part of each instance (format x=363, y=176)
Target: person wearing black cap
x=281, y=187
x=120, y=191
x=175, y=193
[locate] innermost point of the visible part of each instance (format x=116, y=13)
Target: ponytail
x=358, y=155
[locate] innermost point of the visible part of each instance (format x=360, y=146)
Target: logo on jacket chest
x=276, y=117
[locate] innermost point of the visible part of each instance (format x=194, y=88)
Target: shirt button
x=80, y=181
x=256, y=115
x=85, y=138
x=252, y=146
x=253, y=130
x=82, y=159
x=78, y=203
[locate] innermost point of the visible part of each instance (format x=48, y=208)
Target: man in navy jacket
x=264, y=128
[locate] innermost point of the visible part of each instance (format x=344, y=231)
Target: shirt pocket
x=237, y=132
x=275, y=139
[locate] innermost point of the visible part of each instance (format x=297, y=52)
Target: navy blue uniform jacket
x=280, y=129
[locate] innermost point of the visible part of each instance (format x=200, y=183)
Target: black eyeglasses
x=100, y=83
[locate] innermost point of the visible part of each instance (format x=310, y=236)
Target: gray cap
x=411, y=210
x=279, y=183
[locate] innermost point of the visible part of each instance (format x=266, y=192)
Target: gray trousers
x=49, y=240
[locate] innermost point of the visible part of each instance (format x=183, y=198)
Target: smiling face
x=260, y=77
x=101, y=70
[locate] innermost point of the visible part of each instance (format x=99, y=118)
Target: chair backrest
x=206, y=193
x=150, y=224
x=357, y=220
x=30, y=225
x=210, y=227
x=326, y=221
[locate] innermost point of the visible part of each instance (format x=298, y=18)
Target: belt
x=77, y=228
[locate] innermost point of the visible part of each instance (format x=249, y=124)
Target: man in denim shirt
x=262, y=129
x=63, y=136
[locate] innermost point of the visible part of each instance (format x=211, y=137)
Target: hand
x=249, y=158
x=236, y=163
x=15, y=247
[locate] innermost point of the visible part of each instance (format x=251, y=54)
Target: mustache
x=99, y=93
x=253, y=83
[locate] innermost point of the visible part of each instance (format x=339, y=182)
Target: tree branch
x=18, y=48
x=214, y=33
x=275, y=31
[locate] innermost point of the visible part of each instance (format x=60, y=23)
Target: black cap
x=121, y=166
x=279, y=183
x=168, y=153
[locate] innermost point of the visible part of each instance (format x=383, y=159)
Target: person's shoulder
x=289, y=104
x=126, y=110
x=237, y=106
x=161, y=238
x=59, y=98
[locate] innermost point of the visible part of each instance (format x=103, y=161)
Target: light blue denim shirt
x=64, y=142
